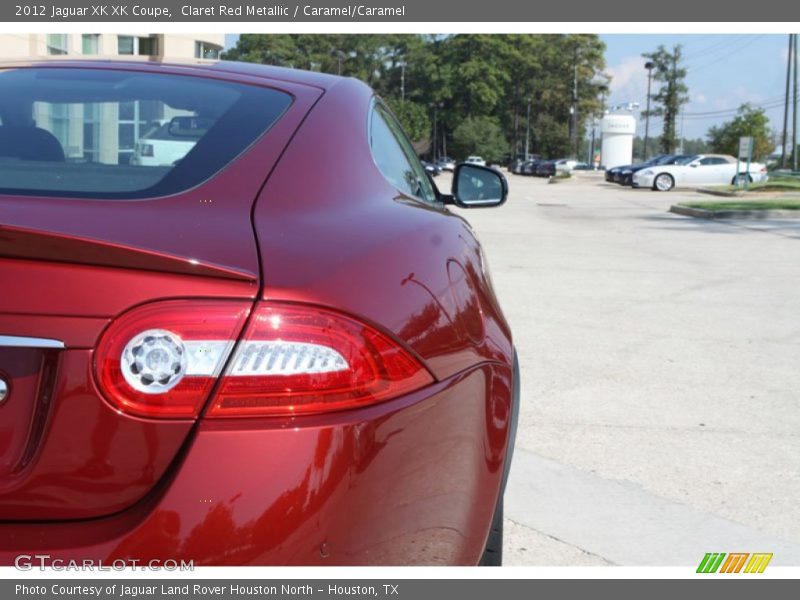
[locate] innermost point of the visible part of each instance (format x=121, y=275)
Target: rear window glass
x=95, y=133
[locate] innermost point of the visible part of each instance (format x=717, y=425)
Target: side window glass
x=395, y=157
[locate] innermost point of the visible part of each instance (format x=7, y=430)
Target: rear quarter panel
x=334, y=232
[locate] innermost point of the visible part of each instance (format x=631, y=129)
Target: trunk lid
x=83, y=239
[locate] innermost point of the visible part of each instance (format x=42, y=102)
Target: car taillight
x=296, y=359
x=162, y=360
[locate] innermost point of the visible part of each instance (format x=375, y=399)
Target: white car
x=565, y=165
x=445, y=163
x=701, y=169
x=475, y=160
x=167, y=144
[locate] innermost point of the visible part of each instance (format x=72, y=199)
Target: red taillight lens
x=300, y=360
x=162, y=360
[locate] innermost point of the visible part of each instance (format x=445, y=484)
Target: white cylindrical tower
x=618, y=131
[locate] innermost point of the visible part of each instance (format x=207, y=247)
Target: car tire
x=743, y=176
x=663, y=182
x=493, y=553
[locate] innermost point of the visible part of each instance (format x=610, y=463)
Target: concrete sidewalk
x=660, y=361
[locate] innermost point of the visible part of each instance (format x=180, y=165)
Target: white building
x=104, y=45
x=618, y=131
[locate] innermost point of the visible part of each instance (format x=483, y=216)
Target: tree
x=451, y=78
x=748, y=122
x=480, y=135
x=696, y=146
x=672, y=94
x=413, y=117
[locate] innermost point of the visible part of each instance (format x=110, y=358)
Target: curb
x=723, y=193
x=745, y=193
x=701, y=213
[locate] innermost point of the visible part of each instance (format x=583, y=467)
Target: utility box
x=618, y=131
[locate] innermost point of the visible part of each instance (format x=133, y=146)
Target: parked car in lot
x=475, y=160
x=625, y=175
x=613, y=174
x=529, y=166
x=431, y=168
x=445, y=163
x=612, y=171
x=223, y=359
x=515, y=165
x=168, y=143
x=565, y=165
x=701, y=169
x=546, y=168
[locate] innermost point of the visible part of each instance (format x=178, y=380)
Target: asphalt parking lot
x=660, y=364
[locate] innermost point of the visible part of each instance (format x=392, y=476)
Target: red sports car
x=239, y=325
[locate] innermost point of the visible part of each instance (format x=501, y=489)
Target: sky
x=725, y=70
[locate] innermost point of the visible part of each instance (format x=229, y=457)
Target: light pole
x=574, y=108
x=602, y=88
x=649, y=65
x=794, y=112
x=603, y=92
x=339, y=56
x=435, y=158
x=528, y=130
x=786, y=104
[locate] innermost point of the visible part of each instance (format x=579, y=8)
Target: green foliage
x=748, y=122
x=413, y=117
x=482, y=136
x=696, y=146
x=453, y=78
x=672, y=94
x=721, y=205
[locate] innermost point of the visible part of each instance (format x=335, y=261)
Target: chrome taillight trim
x=15, y=341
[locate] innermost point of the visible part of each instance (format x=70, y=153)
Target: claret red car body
x=277, y=345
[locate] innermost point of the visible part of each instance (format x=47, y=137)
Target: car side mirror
x=694, y=165
x=476, y=186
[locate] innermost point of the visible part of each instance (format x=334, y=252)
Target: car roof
x=199, y=67
x=727, y=157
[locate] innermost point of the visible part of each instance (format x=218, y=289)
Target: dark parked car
x=226, y=360
x=515, y=166
x=546, y=168
x=614, y=174
x=529, y=166
x=431, y=168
